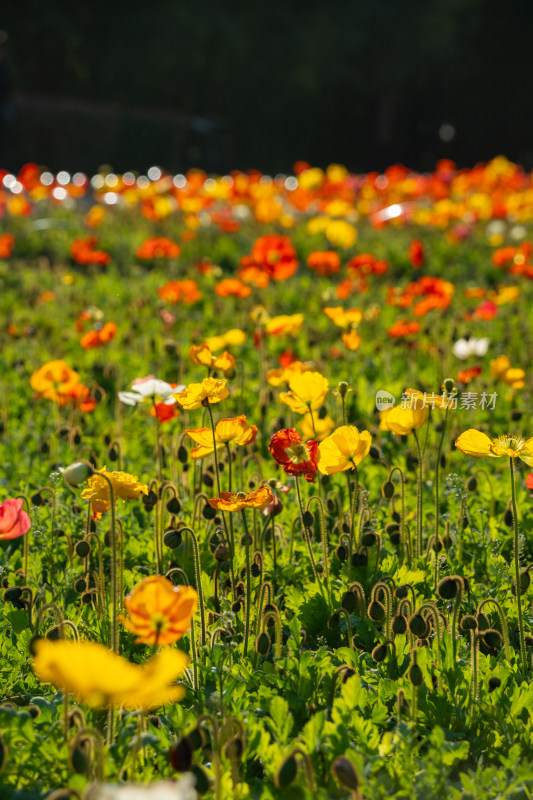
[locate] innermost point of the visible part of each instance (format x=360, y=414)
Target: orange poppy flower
x=232, y=287
x=366, y=264
x=467, y=375
x=83, y=252
x=159, y=613
x=324, y=262
x=180, y=291
x=351, y=339
x=96, y=338
x=7, y=242
x=274, y=255
x=158, y=247
x=55, y=381
x=238, y=501
x=403, y=328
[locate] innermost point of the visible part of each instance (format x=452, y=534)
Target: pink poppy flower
x=14, y=521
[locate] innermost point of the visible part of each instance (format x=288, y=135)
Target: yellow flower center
x=297, y=452
x=512, y=444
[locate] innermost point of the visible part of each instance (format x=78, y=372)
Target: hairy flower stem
x=437, y=499
x=230, y=538
x=406, y=545
x=159, y=454
x=248, y=582
x=353, y=498
x=517, y=570
x=418, y=548
x=307, y=537
x=113, y=637
x=197, y=578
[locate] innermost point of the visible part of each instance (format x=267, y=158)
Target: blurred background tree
x=260, y=84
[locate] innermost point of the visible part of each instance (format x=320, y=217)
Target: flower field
x=265, y=514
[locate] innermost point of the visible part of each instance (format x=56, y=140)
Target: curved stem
x=248, y=581
x=114, y=638
x=418, y=550
x=517, y=569
x=437, y=504
x=307, y=537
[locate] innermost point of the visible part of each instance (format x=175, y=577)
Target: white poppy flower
x=464, y=348
x=150, y=390
x=161, y=790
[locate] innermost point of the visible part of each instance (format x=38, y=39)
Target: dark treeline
x=230, y=83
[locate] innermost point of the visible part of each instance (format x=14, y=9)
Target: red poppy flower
x=416, y=253
x=273, y=255
x=295, y=456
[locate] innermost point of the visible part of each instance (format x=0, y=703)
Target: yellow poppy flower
x=351, y=339
x=307, y=391
x=344, y=449
x=284, y=324
x=159, y=612
x=342, y=318
x=476, y=443
x=232, y=338
x=100, y=678
x=209, y=391
x=276, y=377
x=125, y=487
x=501, y=369
x=227, y=431
x=237, y=501
x=202, y=356
x=403, y=420
x=323, y=427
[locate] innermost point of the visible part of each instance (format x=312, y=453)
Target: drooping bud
x=77, y=473
x=345, y=773
x=180, y=755
x=418, y=625
x=286, y=773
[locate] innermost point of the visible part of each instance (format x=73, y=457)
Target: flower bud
x=77, y=473
x=349, y=602
x=418, y=626
x=82, y=548
x=494, y=683
x=369, y=539
x=448, y=588
x=399, y=624
x=263, y=644
x=387, y=490
x=172, y=538
x=415, y=673
x=401, y=592
x=286, y=773
x=345, y=773
x=376, y=611
x=379, y=653
x=492, y=638
x=343, y=388
x=180, y=755
x=468, y=623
